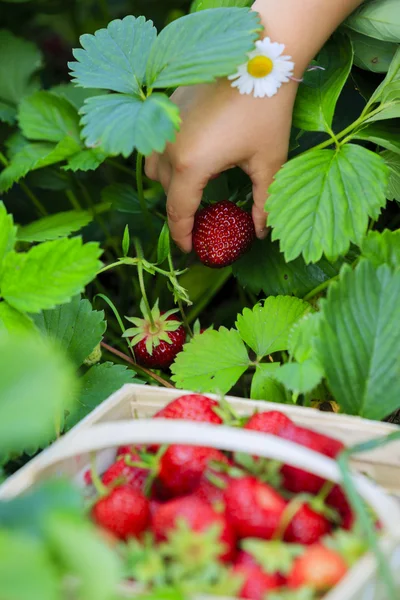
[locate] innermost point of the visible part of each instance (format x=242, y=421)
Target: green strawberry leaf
x=48, y=274
x=19, y=60
x=205, y=4
x=76, y=325
x=393, y=162
x=36, y=156
x=86, y=160
x=350, y=544
x=359, y=341
x=300, y=378
x=202, y=46
x=75, y=95
x=390, y=86
x=27, y=569
x=264, y=386
x=266, y=327
x=7, y=233
x=349, y=183
x=382, y=248
x=371, y=54
x=302, y=336
x=39, y=383
x=211, y=362
x=383, y=133
x=84, y=555
x=272, y=556
x=115, y=58
x=13, y=321
x=48, y=117
x=8, y=114
x=264, y=268
x=378, y=19
x=118, y=123
x=98, y=383
x=55, y=226
x=163, y=245
x=315, y=106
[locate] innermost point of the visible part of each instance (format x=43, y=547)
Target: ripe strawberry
x=124, y=512
x=271, y=421
x=181, y=467
x=212, y=487
x=319, y=568
x=307, y=526
x=337, y=500
x=122, y=474
x=256, y=582
x=192, y=407
x=222, y=232
x=156, y=344
x=254, y=508
x=297, y=480
x=198, y=515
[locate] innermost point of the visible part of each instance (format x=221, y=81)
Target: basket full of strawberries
x=199, y=500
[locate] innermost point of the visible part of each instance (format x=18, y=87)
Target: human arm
x=222, y=128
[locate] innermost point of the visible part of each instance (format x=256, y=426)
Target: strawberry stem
x=172, y=277
x=290, y=511
x=98, y=484
x=139, y=253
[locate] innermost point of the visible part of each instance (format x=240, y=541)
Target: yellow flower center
x=260, y=66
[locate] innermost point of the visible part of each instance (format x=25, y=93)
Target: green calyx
x=273, y=556
x=154, y=330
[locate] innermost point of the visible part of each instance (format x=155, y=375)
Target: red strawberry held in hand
x=198, y=515
x=192, y=407
x=319, y=568
x=123, y=512
x=253, y=508
x=297, y=480
x=271, y=421
x=181, y=467
x=257, y=583
x=307, y=526
x=157, y=340
x=222, y=232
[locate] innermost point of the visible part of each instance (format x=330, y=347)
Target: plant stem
x=179, y=301
x=73, y=200
x=142, y=200
x=137, y=367
x=141, y=280
x=320, y=288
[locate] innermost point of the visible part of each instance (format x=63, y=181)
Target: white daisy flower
x=265, y=71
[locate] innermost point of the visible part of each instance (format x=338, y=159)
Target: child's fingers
x=261, y=181
x=184, y=196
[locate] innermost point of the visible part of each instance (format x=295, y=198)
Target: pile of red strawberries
x=277, y=529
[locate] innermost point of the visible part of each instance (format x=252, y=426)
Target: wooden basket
x=111, y=424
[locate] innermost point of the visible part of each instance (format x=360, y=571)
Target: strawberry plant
x=93, y=292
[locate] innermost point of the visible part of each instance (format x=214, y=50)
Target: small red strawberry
x=307, y=526
x=181, y=467
x=212, y=487
x=122, y=474
x=157, y=340
x=337, y=499
x=222, y=232
x=198, y=515
x=319, y=568
x=192, y=407
x=124, y=512
x=297, y=480
x=254, y=508
x=257, y=583
x=271, y=422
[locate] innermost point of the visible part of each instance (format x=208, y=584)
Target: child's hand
x=221, y=129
